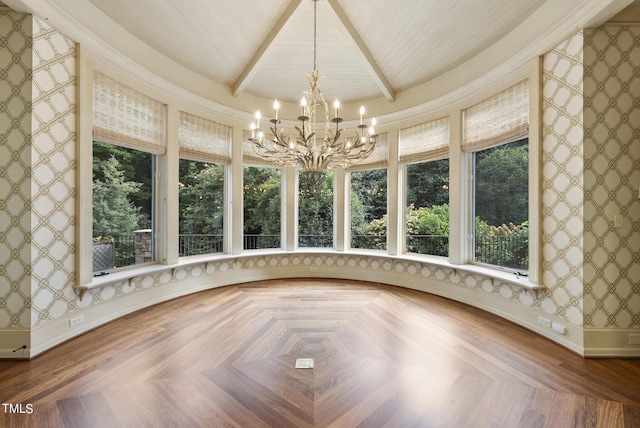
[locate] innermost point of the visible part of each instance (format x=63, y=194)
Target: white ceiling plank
x=367, y=58
x=253, y=66
x=366, y=49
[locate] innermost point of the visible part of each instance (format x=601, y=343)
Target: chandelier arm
x=314, y=153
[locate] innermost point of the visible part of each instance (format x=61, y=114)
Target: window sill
x=493, y=274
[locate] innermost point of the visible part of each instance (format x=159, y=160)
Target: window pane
x=369, y=209
x=261, y=208
x=501, y=205
x=315, y=211
x=123, y=201
x=427, y=218
x=201, y=203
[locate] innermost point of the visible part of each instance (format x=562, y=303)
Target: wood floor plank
x=384, y=356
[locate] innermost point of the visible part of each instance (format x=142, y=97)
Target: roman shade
x=502, y=118
x=379, y=158
x=204, y=140
x=424, y=142
x=127, y=118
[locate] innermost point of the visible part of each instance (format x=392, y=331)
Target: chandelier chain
x=305, y=148
x=315, y=29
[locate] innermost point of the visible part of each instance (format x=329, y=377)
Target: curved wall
x=43, y=274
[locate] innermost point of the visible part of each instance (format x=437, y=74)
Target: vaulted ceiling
x=366, y=49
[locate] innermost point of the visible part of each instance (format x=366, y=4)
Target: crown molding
x=506, y=62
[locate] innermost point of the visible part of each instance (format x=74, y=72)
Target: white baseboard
x=12, y=340
x=610, y=342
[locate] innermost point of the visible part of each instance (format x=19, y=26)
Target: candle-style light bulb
x=276, y=106
x=336, y=106
x=253, y=130
x=361, y=115
x=258, y=119
x=374, y=122
x=303, y=104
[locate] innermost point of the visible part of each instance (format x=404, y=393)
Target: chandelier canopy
x=306, y=148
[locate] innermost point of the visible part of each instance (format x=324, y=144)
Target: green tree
x=502, y=177
x=358, y=214
x=261, y=201
x=428, y=183
x=201, y=198
x=137, y=166
x=370, y=188
x=113, y=211
x=315, y=208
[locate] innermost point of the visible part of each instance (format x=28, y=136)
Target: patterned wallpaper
x=562, y=180
x=591, y=269
x=37, y=169
x=612, y=177
x=53, y=174
x=15, y=169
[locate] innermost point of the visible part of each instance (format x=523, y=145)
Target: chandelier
x=306, y=148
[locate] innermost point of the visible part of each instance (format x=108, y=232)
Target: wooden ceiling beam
x=254, y=64
x=367, y=59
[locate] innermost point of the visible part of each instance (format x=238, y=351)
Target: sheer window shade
x=427, y=141
x=500, y=119
x=127, y=118
x=379, y=158
x=204, y=140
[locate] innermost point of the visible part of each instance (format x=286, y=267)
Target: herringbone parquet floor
x=384, y=357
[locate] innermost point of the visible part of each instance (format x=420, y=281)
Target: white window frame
x=162, y=197
x=461, y=247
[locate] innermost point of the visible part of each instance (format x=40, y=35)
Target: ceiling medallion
x=305, y=148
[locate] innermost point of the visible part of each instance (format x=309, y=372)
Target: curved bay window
x=501, y=205
x=495, y=134
x=204, y=152
x=128, y=134
x=262, y=208
x=368, y=198
x=315, y=211
x=423, y=150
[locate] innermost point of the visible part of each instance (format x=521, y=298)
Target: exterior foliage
x=113, y=211
x=201, y=198
x=123, y=201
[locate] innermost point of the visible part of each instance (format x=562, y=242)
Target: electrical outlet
x=558, y=328
x=76, y=320
x=544, y=321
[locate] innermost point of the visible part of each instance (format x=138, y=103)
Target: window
x=495, y=134
x=427, y=210
x=501, y=205
x=315, y=210
x=128, y=134
x=369, y=209
x=201, y=202
x=204, y=152
x=123, y=207
x=423, y=150
x=368, y=198
x=261, y=208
